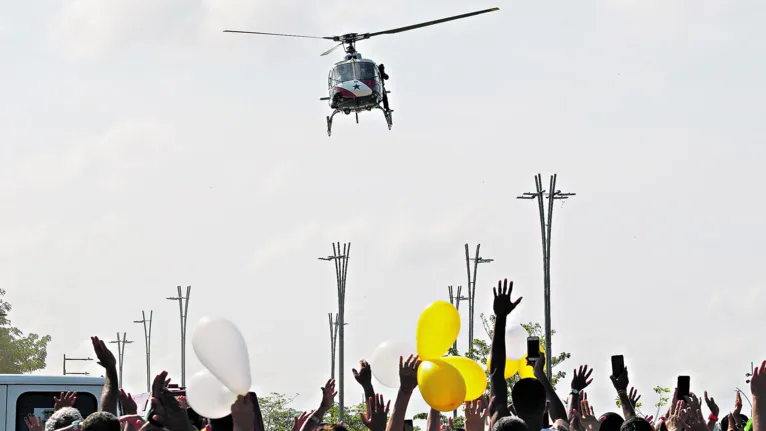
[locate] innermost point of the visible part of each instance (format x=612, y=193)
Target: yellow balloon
x=441, y=385
x=527, y=371
x=473, y=375
x=438, y=327
x=511, y=367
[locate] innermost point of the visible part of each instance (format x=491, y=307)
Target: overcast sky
x=142, y=149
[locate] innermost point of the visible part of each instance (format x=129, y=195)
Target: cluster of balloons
x=220, y=347
x=444, y=381
x=516, y=353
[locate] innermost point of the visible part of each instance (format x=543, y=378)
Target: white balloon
x=515, y=342
x=221, y=348
x=385, y=361
x=208, y=396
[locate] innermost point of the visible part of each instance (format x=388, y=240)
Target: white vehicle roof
x=34, y=379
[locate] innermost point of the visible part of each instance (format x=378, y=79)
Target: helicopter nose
x=357, y=88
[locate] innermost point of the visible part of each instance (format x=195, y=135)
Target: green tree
x=351, y=418
x=661, y=392
x=18, y=353
x=277, y=413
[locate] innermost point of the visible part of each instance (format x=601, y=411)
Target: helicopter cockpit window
x=366, y=71
x=344, y=72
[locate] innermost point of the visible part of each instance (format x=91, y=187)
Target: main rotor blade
x=279, y=34
x=426, y=24
x=331, y=49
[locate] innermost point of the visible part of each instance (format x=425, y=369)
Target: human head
x=528, y=397
x=610, y=422
x=100, y=421
x=510, y=423
x=725, y=421
x=333, y=427
x=62, y=418
x=636, y=424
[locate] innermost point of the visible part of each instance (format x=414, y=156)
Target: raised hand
x=408, y=373
x=328, y=395
x=714, y=410
x=621, y=382
x=503, y=305
x=104, y=355
x=301, y=420
x=693, y=403
x=581, y=377
x=377, y=413
x=677, y=417
x=64, y=400
x=129, y=406
x=475, y=415
x=242, y=413
x=695, y=421
x=737, y=405
x=758, y=381
x=575, y=421
x=33, y=423
x=364, y=375
x=633, y=396
x=588, y=415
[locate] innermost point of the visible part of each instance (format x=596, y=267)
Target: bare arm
x=621, y=385
x=408, y=376
x=503, y=306
x=557, y=410
x=328, y=397
x=111, y=392
x=434, y=422
x=758, y=389
x=364, y=377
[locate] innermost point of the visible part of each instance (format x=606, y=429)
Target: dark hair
x=100, y=421
x=636, y=424
x=194, y=418
x=333, y=427
x=510, y=423
x=528, y=397
x=725, y=421
x=610, y=422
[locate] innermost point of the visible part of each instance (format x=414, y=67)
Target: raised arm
x=111, y=391
x=328, y=398
x=408, y=378
x=364, y=377
x=758, y=389
x=621, y=385
x=434, y=421
x=503, y=306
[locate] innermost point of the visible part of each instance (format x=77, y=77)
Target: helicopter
x=357, y=84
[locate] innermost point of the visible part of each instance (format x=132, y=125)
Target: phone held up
x=533, y=349
x=683, y=387
x=618, y=365
x=409, y=425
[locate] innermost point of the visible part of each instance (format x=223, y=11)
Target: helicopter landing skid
x=386, y=113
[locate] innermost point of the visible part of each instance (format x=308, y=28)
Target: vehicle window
x=344, y=72
x=366, y=71
x=41, y=405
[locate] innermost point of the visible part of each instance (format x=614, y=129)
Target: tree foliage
x=276, y=411
x=19, y=353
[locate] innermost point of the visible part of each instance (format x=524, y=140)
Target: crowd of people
x=533, y=404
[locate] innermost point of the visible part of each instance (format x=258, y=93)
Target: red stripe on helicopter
x=369, y=82
x=345, y=93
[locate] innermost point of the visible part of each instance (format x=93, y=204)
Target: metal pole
x=183, y=308
x=85, y=373
x=455, y=300
x=472, y=288
x=545, y=229
x=148, y=345
x=340, y=258
x=333, y=342
x=121, y=342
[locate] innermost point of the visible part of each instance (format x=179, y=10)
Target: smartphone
x=408, y=425
x=683, y=387
x=533, y=348
x=618, y=365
